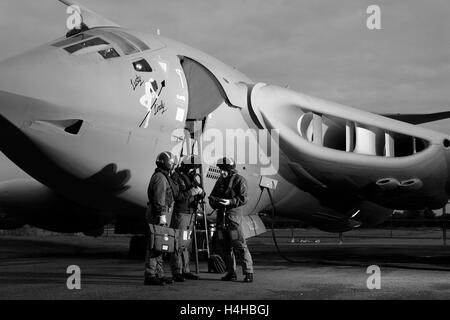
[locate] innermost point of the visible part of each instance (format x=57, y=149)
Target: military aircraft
x=86, y=115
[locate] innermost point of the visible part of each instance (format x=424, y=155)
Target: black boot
x=248, y=277
x=190, y=276
x=153, y=281
x=230, y=277
x=178, y=277
x=166, y=280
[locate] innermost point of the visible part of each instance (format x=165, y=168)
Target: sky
x=319, y=47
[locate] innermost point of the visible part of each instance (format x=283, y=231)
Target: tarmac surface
x=413, y=265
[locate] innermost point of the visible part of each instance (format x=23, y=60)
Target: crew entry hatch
x=205, y=92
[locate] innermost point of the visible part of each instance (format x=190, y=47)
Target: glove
x=225, y=202
x=196, y=191
x=162, y=220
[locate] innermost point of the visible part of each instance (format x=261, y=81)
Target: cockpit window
x=72, y=40
x=109, y=53
x=124, y=45
x=142, y=46
x=113, y=42
x=85, y=44
x=142, y=66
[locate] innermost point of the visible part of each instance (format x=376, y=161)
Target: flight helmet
x=226, y=164
x=166, y=161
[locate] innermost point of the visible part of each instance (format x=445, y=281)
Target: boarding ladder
x=194, y=131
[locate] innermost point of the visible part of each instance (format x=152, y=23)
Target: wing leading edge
x=419, y=118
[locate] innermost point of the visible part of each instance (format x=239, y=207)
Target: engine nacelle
x=350, y=151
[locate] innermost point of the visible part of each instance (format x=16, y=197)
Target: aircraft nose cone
x=26, y=74
x=26, y=84
x=13, y=90
x=10, y=105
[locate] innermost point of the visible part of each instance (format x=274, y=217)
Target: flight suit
x=182, y=219
x=161, y=193
x=229, y=220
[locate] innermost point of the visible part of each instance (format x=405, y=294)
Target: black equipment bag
x=215, y=261
x=162, y=239
x=216, y=264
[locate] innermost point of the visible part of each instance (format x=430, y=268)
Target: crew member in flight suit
x=228, y=197
x=184, y=212
x=161, y=194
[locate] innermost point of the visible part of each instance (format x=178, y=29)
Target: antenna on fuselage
x=76, y=30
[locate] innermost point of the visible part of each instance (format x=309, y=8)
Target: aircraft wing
x=343, y=153
x=419, y=118
x=90, y=18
